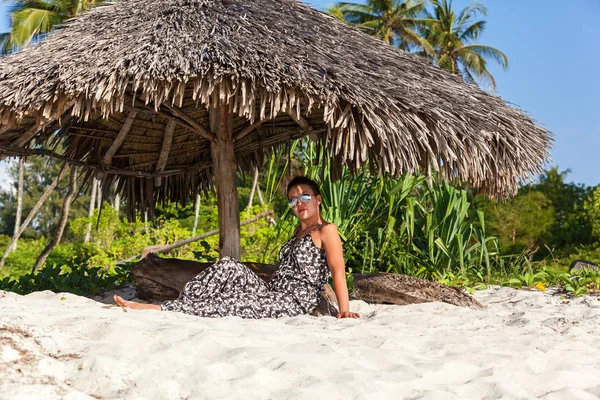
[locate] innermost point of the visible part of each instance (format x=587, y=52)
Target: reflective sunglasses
x=304, y=197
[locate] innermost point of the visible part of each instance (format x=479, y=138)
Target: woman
x=229, y=288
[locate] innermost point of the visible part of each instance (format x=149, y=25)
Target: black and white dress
x=228, y=287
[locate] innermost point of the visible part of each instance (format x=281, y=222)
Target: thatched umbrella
x=167, y=96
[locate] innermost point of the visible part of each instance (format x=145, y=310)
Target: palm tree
x=32, y=19
x=394, y=21
x=451, y=35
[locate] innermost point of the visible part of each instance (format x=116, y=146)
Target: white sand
x=525, y=345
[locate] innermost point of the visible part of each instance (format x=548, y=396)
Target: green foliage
x=76, y=279
x=588, y=252
x=31, y=20
x=591, y=206
x=20, y=261
x=454, y=36
x=576, y=286
x=395, y=22
x=401, y=225
x=448, y=235
x=548, y=218
x=528, y=280
x=521, y=223
x=38, y=174
x=572, y=226
x=112, y=239
x=448, y=38
x=404, y=225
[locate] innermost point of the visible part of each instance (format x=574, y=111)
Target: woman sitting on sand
x=228, y=287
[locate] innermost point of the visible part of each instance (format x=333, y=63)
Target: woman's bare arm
x=332, y=244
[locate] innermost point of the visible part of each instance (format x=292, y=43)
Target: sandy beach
x=524, y=345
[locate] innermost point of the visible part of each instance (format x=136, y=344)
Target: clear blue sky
x=554, y=71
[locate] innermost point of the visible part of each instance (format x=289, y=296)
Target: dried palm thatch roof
x=128, y=85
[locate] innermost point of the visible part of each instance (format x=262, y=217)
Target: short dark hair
x=303, y=180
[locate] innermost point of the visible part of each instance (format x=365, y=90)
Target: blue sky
x=553, y=74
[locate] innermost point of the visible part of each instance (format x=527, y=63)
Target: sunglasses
x=304, y=197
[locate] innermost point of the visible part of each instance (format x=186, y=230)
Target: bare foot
x=135, y=306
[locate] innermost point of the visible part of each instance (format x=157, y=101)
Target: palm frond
x=473, y=31
x=476, y=67
x=357, y=17
x=489, y=52
x=29, y=23
x=445, y=62
x=411, y=8
x=412, y=37
x=470, y=12
x=337, y=12
x=5, y=47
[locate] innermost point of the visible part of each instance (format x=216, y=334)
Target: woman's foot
x=135, y=306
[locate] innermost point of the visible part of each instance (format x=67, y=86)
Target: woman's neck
x=310, y=222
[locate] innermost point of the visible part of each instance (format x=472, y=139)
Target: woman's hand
x=348, y=314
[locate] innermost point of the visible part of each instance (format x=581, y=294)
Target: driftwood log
x=404, y=289
x=162, y=279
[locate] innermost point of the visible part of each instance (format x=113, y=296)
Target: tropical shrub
x=401, y=225
x=76, y=279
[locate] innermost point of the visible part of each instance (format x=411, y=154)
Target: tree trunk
x=196, y=215
x=224, y=168
x=404, y=289
x=117, y=201
x=146, y=229
x=254, y=184
x=88, y=231
x=63, y=221
x=99, y=192
x=19, y=201
x=260, y=198
x=33, y=212
x=256, y=188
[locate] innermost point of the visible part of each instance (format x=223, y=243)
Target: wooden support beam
x=224, y=169
x=37, y=127
x=249, y=129
x=300, y=120
x=198, y=128
x=108, y=156
x=5, y=128
x=29, y=134
x=24, y=152
x=304, y=124
x=181, y=123
x=185, y=124
x=164, y=152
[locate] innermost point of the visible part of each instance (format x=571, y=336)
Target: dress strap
x=307, y=233
x=315, y=228
x=295, y=239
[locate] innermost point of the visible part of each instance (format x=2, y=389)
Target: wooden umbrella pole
x=224, y=168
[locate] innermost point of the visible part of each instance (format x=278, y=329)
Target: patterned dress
x=228, y=287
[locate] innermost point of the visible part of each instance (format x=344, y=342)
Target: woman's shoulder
x=328, y=228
